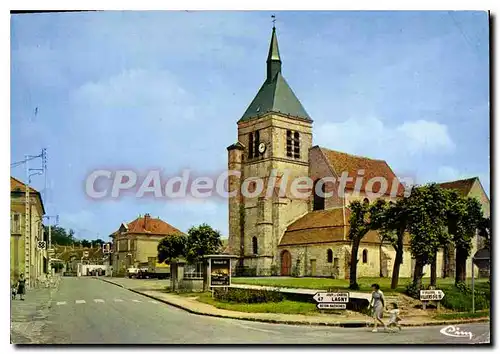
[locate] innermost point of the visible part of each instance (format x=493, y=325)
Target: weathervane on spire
x=273, y=20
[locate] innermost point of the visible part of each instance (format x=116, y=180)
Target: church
x=278, y=234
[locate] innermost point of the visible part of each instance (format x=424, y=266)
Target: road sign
x=330, y=306
x=431, y=295
x=331, y=297
x=41, y=245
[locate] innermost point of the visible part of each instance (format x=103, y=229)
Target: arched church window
x=289, y=143
x=296, y=145
x=319, y=197
x=365, y=256
x=329, y=256
x=250, y=145
x=255, y=248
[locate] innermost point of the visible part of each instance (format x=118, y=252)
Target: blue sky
x=164, y=90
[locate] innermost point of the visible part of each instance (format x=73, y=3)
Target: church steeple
x=275, y=95
x=273, y=58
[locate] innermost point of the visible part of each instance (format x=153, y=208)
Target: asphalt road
x=90, y=311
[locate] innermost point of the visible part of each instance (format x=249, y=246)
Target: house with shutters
x=137, y=240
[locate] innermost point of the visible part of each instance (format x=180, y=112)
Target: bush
x=247, y=296
x=459, y=298
x=412, y=291
x=245, y=272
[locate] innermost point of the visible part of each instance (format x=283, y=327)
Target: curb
x=353, y=324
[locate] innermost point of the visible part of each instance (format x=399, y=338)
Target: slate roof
x=340, y=162
x=462, y=186
x=275, y=95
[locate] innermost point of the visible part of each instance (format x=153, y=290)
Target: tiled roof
x=16, y=184
x=462, y=186
x=340, y=162
x=154, y=226
x=324, y=226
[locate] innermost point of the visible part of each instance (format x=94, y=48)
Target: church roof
x=275, y=95
x=462, y=186
x=325, y=226
x=341, y=162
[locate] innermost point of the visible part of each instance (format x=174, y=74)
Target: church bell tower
x=274, y=134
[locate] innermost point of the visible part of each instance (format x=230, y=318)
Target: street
x=90, y=311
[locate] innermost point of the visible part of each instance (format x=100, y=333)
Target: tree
x=98, y=242
x=465, y=217
x=172, y=247
x=391, y=223
x=85, y=243
x=427, y=209
x=484, y=231
x=59, y=236
x=202, y=240
x=359, y=227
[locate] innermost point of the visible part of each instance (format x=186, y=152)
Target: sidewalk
x=28, y=317
x=350, y=319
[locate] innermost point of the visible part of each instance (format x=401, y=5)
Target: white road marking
x=256, y=329
x=61, y=303
x=134, y=300
x=118, y=300
x=98, y=300
x=153, y=302
x=80, y=301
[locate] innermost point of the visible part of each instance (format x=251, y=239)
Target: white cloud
x=371, y=137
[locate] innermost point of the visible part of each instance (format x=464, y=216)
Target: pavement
x=28, y=317
x=89, y=311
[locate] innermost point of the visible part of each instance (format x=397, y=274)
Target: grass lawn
x=285, y=306
x=461, y=315
x=342, y=284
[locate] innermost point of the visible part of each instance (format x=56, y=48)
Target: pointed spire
x=273, y=58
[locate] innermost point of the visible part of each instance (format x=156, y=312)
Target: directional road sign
x=331, y=297
x=330, y=306
x=431, y=295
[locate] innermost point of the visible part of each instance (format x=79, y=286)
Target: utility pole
x=50, y=251
x=27, y=211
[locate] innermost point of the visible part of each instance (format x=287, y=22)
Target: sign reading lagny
x=220, y=272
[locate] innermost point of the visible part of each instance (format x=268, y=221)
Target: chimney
x=146, y=221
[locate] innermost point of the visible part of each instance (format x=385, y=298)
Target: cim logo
x=453, y=331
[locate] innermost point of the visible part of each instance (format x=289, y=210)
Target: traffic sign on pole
x=331, y=297
x=431, y=295
x=331, y=306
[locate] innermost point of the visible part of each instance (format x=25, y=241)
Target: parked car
x=132, y=272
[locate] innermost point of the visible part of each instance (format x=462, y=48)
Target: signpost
x=431, y=295
x=435, y=295
x=41, y=245
x=331, y=301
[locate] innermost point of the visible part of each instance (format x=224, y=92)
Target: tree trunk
x=397, y=266
x=381, y=259
x=434, y=271
x=354, y=264
x=418, y=273
x=460, y=265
